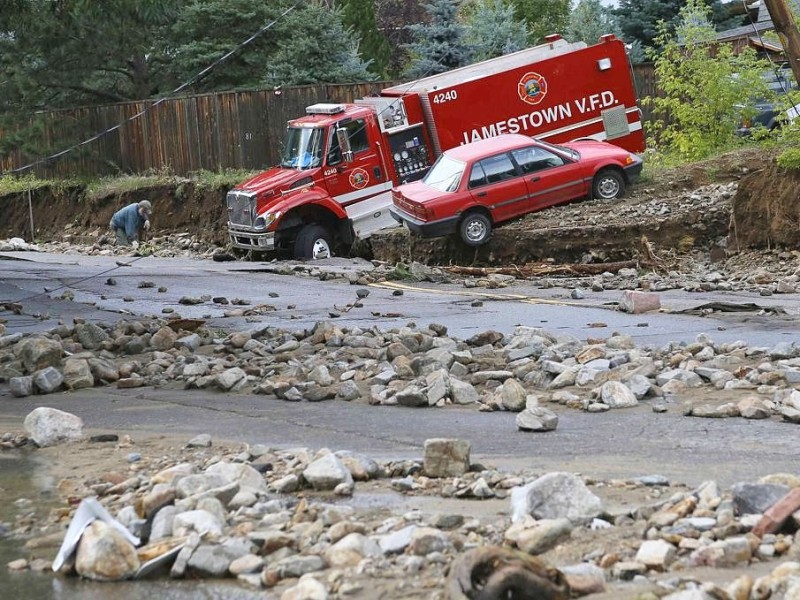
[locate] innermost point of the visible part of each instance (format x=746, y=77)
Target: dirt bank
x=730, y=203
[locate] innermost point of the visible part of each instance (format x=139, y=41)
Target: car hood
x=594, y=148
x=418, y=192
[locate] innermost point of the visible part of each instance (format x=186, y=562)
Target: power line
x=150, y=107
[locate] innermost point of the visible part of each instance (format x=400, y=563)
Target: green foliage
x=439, y=45
x=493, y=30
x=15, y=185
x=589, y=20
x=646, y=20
x=542, y=17
x=789, y=159
x=316, y=47
x=702, y=82
x=374, y=47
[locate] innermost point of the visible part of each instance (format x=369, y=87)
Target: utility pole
x=786, y=28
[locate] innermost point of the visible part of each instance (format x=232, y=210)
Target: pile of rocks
x=270, y=518
x=412, y=366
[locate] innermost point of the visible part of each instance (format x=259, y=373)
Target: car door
x=550, y=178
x=496, y=184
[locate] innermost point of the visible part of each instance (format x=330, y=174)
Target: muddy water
x=22, y=477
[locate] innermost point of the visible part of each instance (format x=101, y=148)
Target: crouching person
x=127, y=222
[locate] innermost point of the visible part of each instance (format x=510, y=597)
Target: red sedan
x=472, y=188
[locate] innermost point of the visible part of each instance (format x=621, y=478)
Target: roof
x=763, y=22
x=481, y=148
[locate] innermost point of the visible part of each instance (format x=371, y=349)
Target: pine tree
x=317, y=48
x=373, y=46
x=493, y=30
x=437, y=46
x=589, y=21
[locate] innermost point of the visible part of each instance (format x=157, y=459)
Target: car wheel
x=313, y=242
x=608, y=185
x=475, y=229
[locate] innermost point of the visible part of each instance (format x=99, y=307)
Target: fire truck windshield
x=302, y=148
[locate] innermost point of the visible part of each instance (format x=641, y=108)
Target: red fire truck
x=340, y=161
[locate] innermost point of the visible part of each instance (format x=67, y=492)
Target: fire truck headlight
x=264, y=221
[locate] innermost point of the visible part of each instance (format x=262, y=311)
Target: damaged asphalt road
x=53, y=286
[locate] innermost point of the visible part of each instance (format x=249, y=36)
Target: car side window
x=534, y=159
x=498, y=168
x=477, y=177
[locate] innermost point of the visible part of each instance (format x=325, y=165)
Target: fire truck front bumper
x=262, y=241
x=428, y=229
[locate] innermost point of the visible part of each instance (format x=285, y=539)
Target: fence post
x=30, y=213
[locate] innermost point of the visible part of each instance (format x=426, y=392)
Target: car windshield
x=562, y=149
x=445, y=174
x=302, y=148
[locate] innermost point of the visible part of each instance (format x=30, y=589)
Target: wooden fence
x=226, y=130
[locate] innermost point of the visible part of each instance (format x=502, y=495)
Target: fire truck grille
x=241, y=208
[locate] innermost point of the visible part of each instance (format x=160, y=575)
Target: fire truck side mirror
x=344, y=144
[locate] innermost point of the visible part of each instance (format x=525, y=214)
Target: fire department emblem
x=532, y=88
x=359, y=178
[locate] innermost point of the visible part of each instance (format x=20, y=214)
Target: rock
x=425, y=540
x=540, y=536
x=778, y=513
x=286, y=485
x=77, y=374
x=756, y=498
x=411, y=396
x=190, y=342
x=351, y=550
x=161, y=526
x=584, y=579
x=397, y=541
x=320, y=375
x=729, y=552
x=555, y=496
x=307, y=588
x=200, y=521
x=445, y=457
x=228, y=379
x=537, y=418
x=200, y=441
x=639, y=302
x=90, y=335
x=656, y=554
x=326, y=473
x=50, y=426
x=513, y=395
x=48, y=380
x=463, y=392
x=361, y=467
x=21, y=386
x=104, y=554
x=103, y=370
x=249, y=563
x=348, y=391
x=214, y=559
x=246, y=476
x=38, y=352
x=617, y=395
x=291, y=566
x=754, y=408
x=163, y=339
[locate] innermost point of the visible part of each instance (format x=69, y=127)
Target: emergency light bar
x=324, y=109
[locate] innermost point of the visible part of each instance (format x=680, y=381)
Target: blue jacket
x=128, y=219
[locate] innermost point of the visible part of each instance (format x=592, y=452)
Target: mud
x=665, y=208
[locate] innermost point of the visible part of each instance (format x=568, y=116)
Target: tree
x=71, y=52
x=206, y=30
x=492, y=30
x=590, y=20
x=360, y=16
x=437, y=46
x=542, y=17
x=393, y=16
x=639, y=19
x=702, y=82
x=316, y=47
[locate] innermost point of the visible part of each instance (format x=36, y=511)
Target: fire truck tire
x=313, y=242
x=608, y=184
x=475, y=229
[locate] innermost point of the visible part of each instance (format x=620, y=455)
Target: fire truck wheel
x=608, y=184
x=313, y=242
x=475, y=229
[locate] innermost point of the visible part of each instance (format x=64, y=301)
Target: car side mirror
x=344, y=144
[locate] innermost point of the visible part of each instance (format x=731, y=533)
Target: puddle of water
x=22, y=477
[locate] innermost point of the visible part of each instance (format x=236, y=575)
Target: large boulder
x=327, y=472
x=555, y=496
x=446, y=457
x=50, y=426
x=104, y=554
x=39, y=352
x=77, y=374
